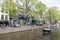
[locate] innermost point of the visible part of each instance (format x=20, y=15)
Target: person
x=6, y=23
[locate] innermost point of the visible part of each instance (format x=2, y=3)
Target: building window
x=6, y=17
x=2, y=17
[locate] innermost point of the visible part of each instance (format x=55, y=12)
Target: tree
x=27, y=6
x=52, y=14
x=41, y=8
x=9, y=7
x=57, y=16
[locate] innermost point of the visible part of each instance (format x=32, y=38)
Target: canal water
x=32, y=34
x=55, y=35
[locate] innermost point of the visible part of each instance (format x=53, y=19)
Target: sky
x=50, y=3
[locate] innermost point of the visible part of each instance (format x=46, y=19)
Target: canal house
x=4, y=18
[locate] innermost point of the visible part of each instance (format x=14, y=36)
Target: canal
x=31, y=34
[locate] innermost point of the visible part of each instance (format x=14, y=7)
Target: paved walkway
x=14, y=29
x=21, y=28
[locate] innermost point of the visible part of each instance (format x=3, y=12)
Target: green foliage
x=53, y=14
x=10, y=6
x=57, y=17
x=40, y=6
x=28, y=6
x=33, y=7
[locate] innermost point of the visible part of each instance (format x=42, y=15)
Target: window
x=2, y=17
x=6, y=17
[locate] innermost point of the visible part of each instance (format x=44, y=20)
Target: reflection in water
x=55, y=35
